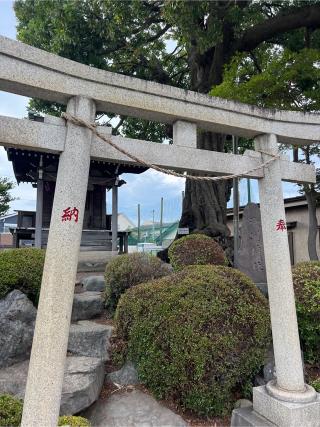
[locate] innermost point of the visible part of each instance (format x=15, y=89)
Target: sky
x=145, y=189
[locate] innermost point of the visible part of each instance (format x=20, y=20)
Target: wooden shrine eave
x=26, y=164
x=48, y=137
x=33, y=72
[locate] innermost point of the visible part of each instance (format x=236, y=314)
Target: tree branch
x=307, y=16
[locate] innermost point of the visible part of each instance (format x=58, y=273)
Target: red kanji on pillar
x=69, y=213
x=281, y=225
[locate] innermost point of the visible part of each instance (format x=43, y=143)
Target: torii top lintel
x=32, y=72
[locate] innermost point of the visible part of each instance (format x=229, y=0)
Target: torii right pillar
x=286, y=401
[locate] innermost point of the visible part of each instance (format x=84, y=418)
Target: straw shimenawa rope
x=92, y=127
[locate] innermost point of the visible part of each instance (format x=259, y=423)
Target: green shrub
x=11, y=414
x=195, y=249
x=306, y=281
x=21, y=269
x=196, y=336
x=69, y=420
x=316, y=384
x=128, y=270
x=10, y=411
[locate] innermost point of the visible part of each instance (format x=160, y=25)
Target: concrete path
x=132, y=409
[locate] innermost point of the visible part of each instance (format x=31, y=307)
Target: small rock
x=242, y=403
x=82, y=384
x=17, y=319
x=132, y=409
x=269, y=370
x=90, y=339
x=93, y=283
x=87, y=305
x=127, y=375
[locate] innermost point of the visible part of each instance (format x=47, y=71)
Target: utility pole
x=249, y=190
x=235, y=208
x=182, y=201
x=153, y=224
x=139, y=236
x=161, y=219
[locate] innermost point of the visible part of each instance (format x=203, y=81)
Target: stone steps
x=88, y=343
x=87, y=338
x=87, y=305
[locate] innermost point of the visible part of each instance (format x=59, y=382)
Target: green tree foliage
x=276, y=78
x=5, y=196
x=282, y=78
x=186, y=44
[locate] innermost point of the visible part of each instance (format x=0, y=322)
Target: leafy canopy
x=5, y=196
x=179, y=43
x=275, y=78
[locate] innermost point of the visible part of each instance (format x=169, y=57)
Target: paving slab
x=132, y=409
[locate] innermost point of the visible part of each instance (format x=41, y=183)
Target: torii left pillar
x=49, y=348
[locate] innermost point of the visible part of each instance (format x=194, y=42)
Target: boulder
x=93, y=283
x=90, y=339
x=82, y=384
x=17, y=319
x=132, y=409
x=87, y=305
x=127, y=375
x=83, y=381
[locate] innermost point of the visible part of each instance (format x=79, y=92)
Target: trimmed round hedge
x=10, y=411
x=306, y=281
x=196, y=336
x=195, y=249
x=125, y=271
x=21, y=269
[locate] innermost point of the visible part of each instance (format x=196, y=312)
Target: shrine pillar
x=48, y=355
x=275, y=400
x=114, y=218
x=39, y=206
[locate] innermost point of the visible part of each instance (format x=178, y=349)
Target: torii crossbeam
x=32, y=72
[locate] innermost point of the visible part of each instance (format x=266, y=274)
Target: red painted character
x=281, y=225
x=69, y=213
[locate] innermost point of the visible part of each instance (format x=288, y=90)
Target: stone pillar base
x=247, y=417
x=283, y=413
x=269, y=411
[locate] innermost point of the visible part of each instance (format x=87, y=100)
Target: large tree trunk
x=313, y=224
x=205, y=202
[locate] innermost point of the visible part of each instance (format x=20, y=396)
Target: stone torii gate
x=32, y=72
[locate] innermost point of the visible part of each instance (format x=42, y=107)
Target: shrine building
x=100, y=230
